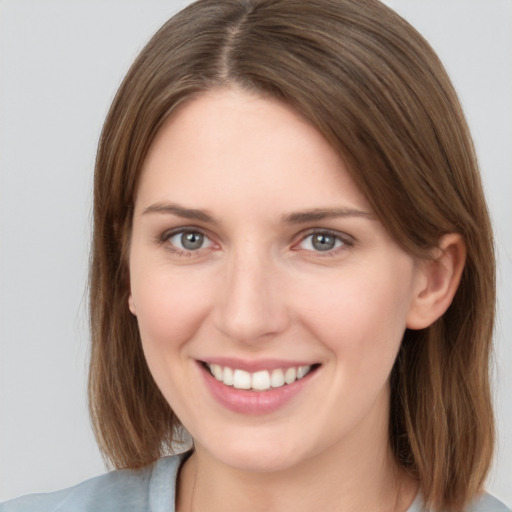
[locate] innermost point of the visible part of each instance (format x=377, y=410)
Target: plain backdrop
x=60, y=64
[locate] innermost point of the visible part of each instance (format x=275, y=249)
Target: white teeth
x=302, y=371
x=277, y=378
x=261, y=380
x=217, y=371
x=228, y=376
x=241, y=379
x=290, y=375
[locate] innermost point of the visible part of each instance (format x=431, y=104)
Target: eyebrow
x=313, y=215
x=317, y=214
x=180, y=211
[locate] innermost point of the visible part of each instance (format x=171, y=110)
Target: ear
x=438, y=281
x=131, y=305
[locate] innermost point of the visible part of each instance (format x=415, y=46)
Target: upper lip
x=256, y=365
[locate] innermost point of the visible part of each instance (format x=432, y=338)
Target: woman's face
x=271, y=302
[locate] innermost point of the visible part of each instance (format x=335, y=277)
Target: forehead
x=231, y=144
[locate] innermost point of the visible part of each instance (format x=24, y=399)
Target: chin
x=267, y=456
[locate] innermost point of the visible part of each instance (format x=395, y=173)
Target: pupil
x=323, y=242
x=192, y=241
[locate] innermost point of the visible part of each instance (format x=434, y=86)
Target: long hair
x=378, y=93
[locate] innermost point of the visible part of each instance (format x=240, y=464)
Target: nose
x=252, y=305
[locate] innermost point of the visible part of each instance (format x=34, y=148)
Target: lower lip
x=253, y=402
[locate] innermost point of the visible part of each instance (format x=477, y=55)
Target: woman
x=326, y=348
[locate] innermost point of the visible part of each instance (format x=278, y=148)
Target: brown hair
x=378, y=93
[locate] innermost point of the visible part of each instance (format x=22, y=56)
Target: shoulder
x=488, y=503
x=484, y=503
x=149, y=489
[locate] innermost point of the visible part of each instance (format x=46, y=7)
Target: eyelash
x=184, y=253
x=345, y=241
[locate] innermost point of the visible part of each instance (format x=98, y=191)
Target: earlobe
x=440, y=278
x=131, y=305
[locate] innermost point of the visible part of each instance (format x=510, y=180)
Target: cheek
x=360, y=315
x=170, y=312
x=169, y=308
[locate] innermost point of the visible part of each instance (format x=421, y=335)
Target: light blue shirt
x=151, y=489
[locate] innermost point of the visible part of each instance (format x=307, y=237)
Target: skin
x=258, y=289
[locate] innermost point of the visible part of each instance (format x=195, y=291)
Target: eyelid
x=166, y=235
x=346, y=240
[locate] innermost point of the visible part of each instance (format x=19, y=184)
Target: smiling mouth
x=263, y=380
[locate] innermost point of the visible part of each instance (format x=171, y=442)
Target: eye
x=189, y=240
x=322, y=241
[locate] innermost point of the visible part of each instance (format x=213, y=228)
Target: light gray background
x=60, y=64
